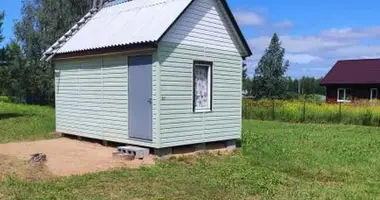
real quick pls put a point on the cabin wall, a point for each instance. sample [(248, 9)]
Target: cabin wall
[(92, 98), (202, 33), (359, 92)]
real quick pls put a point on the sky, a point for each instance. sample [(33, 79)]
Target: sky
[(315, 34)]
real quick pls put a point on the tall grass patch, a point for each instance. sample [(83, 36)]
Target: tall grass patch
[(361, 113)]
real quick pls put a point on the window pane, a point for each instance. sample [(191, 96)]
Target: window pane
[(201, 86), (348, 94), (341, 94)]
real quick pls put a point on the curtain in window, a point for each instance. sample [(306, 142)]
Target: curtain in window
[(201, 87)]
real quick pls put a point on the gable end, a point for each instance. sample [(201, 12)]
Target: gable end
[(208, 23)]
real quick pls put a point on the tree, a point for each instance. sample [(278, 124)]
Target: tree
[(15, 74), (304, 86), (311, 85), (269, 79), (2, 15), (3, 71), (42, 23)]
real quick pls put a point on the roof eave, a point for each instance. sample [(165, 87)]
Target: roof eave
[(238, 30), (52, 50), (107, 50), (350, 83)]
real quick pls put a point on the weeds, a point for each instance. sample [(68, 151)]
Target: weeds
[(362, 113)]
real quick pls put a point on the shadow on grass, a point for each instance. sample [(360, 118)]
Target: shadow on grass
[(10, 115)]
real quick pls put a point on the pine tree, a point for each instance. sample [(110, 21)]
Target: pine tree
[(270, 80)]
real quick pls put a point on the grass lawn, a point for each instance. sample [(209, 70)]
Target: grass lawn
[(24, 122), (276, 161)]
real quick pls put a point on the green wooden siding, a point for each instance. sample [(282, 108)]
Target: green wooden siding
[(92, 99), (179, 124)]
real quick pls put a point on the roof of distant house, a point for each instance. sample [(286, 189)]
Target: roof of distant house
[(364, 71)]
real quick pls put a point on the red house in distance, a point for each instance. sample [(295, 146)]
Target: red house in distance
[(353, 80)]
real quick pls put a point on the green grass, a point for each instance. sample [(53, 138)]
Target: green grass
[(23, 122), (276, 161)]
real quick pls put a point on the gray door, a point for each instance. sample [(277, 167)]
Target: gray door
[(140, 97)]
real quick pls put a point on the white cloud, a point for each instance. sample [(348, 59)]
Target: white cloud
[(319, 69), (338, 43), (259, 44), (315, 54), (252, 63), (302, 44), (294, 59), (248, 18), (341, 33), (284, 24), (299, 44), (302, 58), (357, 51), (352, 33), (370, 57)]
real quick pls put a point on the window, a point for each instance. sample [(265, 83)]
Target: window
[(202, 86), (373, 94), (344, 95)]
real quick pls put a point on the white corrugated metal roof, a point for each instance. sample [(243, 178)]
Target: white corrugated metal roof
[(126, 23), (137, 21)]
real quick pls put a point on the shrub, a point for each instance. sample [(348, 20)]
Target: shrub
[(5, 99)]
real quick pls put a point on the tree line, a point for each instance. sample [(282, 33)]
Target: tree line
[(270, 81)]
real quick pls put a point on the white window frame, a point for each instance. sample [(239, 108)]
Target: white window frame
[(370, 93), (209, 65), (344, 95)]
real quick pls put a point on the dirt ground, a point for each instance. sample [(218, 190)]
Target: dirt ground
[(67, 157)]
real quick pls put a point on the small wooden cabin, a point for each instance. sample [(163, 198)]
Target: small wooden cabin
[(152, 73), (353, 80)]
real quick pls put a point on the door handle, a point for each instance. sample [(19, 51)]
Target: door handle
[(149, 100)]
